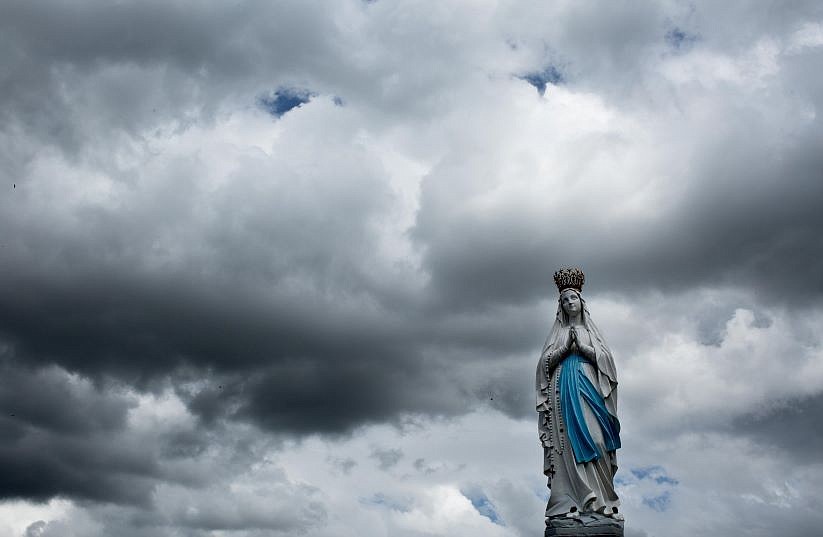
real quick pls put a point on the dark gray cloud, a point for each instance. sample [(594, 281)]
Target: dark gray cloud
[(787, 427), (49, 399), (736, 224), (344, 465), (387, 457), (340, 266), (136, 65), (64, 437), (273, 364)]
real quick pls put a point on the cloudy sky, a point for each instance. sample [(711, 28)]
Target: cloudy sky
[(284, 268)]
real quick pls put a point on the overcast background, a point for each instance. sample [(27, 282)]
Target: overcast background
[(285, 268)]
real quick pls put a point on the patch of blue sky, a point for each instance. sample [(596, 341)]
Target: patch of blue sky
[(541, 79), (659, 503), (644, 472), (666, 480), (654, 473), (483, 506), (679, 39), (381, 500), (284, 99)]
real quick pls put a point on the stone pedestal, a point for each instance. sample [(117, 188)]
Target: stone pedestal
[(588, 525)]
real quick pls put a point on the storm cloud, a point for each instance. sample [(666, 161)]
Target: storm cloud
[(242, 245)]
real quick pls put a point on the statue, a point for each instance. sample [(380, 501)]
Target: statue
[(577, 419)]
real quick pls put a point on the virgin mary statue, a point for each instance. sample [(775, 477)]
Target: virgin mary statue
[(577, 407)]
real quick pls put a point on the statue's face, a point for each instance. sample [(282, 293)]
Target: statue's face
[(570, 301)]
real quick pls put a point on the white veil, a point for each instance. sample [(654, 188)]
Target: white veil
[(606, 373)]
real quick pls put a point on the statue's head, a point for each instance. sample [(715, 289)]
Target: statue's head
[(570, 283), (570, 302)]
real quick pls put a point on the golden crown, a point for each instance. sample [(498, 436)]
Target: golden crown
[(569, 278)]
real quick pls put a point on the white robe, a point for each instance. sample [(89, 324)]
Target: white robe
[(586, 486)]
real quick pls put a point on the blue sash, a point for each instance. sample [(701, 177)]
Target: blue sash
[(574, 386)]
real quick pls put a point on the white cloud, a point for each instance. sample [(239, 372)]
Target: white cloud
[(428, 212), (16, 516), (680, 380), (810, 35)]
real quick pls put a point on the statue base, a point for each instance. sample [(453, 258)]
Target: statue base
[(588, 525)]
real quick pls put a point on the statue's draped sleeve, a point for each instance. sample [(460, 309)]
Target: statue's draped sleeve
[(606, 371)]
